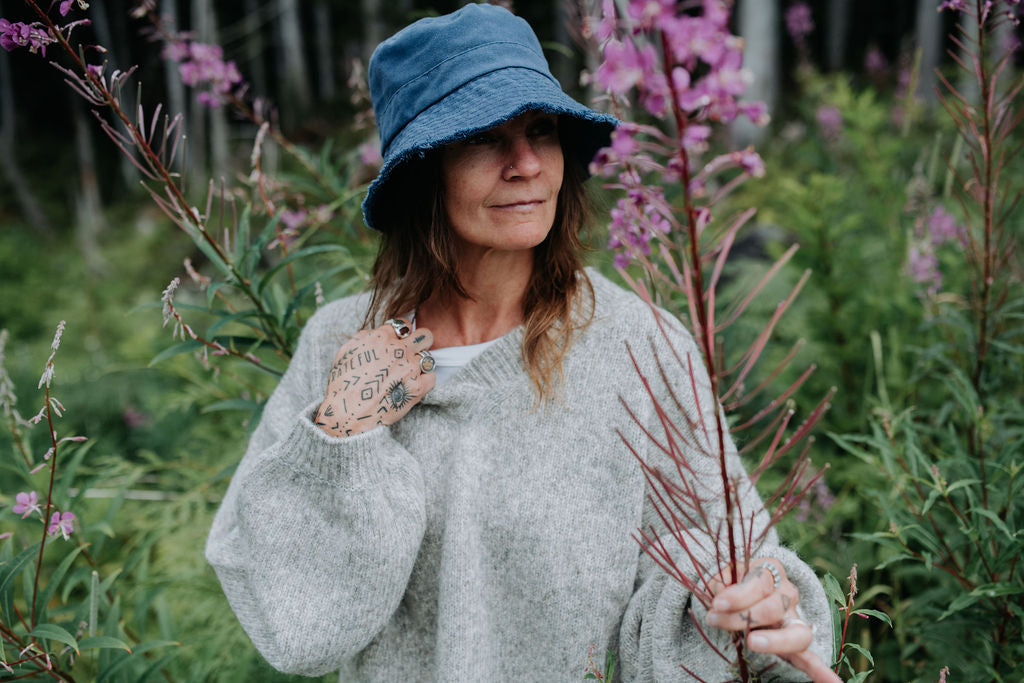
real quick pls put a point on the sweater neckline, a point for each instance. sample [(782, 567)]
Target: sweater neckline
[(497, 366)]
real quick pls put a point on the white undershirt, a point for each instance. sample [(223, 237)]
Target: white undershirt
[(449, 360)]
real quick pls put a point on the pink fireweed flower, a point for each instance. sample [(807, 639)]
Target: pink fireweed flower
[(369, 154), (956, 6), (645, 13), (203, 65), (623, 142), (923, 267), (292, 221), (26, 503), (751, 162), (621, 68), (830, 120), (799, 22), (943, 674), (636, 220), (875, 62), (62, 523), (942, 228), (17, 34)]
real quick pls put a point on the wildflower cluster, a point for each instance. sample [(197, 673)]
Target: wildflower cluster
[(930, 233), (37, 35), (202, 65), (684, 67), (799, 25), (678, 64)]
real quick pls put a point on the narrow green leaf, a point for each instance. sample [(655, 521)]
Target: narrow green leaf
[(155, 666), (994, 518), (10, 570), (231, 404), (863, 651), (860, 676), (876, 614), (154, 644), (834, 590), (212, 290), (249, 317), (302, 253), (54, 632), (212, 254), (103, 642), (179, 348), (43, 600)]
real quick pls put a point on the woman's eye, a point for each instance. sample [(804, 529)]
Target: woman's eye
[(481, 139), (543, 127)]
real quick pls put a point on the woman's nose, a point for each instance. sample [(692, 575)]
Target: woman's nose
[(522, 158)]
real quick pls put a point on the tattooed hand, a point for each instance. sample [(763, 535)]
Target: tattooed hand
[(375, 380), (767, 614)]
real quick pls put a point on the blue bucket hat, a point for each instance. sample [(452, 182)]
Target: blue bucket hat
[(443, 79)]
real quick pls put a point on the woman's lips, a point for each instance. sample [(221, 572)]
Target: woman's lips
[(525, 205)]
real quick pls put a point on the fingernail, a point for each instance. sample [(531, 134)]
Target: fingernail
[(721, 604), (712, 618), (758, 642)]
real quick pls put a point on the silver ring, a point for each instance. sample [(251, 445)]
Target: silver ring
[(401, 327), (774, 571), (426, 361)]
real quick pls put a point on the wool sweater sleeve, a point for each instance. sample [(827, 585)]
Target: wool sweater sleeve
[(317, 535), (664, 633)]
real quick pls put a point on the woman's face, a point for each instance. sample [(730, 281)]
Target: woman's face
[(501, 186)]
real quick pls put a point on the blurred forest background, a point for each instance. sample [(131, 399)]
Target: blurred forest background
[(856, 132)]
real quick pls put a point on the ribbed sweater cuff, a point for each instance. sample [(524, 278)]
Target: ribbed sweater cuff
[(351, 462)]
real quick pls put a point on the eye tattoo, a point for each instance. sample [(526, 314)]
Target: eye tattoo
[(399, 395)]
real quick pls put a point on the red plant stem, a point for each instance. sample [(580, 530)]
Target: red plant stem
[(988, 195), (842, 641), (168, 181), (706, 331), (49, 504)]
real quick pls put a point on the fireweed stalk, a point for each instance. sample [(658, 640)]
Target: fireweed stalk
[(33, 656), (949, 451), (155, 145), (676, 63)]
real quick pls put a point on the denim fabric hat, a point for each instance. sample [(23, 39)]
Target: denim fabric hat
[(442, 79)]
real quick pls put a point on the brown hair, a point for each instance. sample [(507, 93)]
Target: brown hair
[(417, 257)]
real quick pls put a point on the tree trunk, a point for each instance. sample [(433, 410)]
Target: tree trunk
[(373, 27), (836, 31), (115, 59), (324, 51), (296, 97), (176, 103), (30, 206), (759, 27), (563, 66), (88, 204), (255, 46), (928, 32)]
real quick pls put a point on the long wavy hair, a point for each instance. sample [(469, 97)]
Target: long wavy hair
[(417, 258)]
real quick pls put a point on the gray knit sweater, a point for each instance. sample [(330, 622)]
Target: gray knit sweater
[(480, 538)]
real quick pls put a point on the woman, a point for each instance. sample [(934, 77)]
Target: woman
[(468, 515)]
